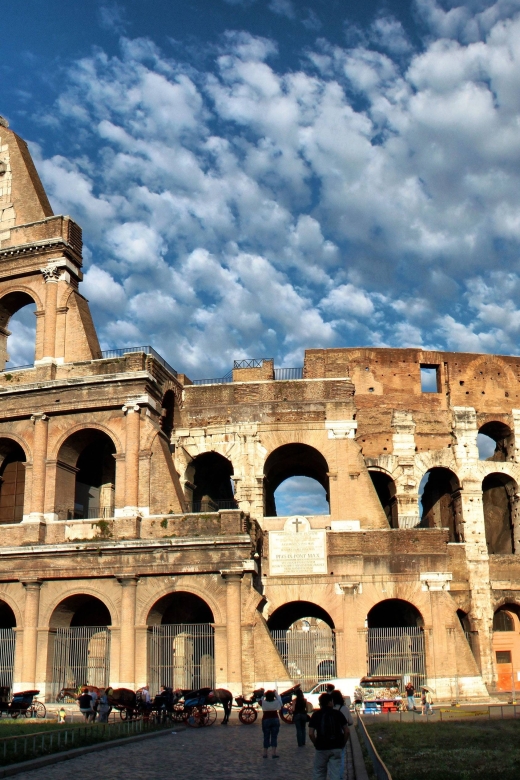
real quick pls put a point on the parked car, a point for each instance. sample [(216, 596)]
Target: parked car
[(314, 694)]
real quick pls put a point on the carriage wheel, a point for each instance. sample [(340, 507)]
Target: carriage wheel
[(36, 710), (247, 715), (209, 715), (286, 713)]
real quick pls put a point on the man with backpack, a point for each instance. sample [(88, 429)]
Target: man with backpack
[(328, 731)]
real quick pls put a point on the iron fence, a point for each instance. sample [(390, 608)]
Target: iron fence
[(397, 651), (81, 657), (43, 743), (7, 648), (181, 655), (309, 655), (221, 380), (250, 363), (380, 769), (288, 373)]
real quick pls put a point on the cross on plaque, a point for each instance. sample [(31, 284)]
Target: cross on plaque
[(297, 523)]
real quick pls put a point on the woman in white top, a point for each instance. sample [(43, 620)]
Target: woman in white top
[(270, 704)]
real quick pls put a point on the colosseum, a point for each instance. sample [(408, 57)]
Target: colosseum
[(140, 541)]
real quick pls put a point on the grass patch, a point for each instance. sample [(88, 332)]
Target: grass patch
[(449, 751)]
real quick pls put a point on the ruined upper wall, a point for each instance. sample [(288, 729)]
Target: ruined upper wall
[(22, 196)]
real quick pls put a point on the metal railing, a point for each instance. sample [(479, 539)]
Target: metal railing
[(397, 651), (288, 373), (91, 513), (222, 380), (213, 506), (251, 362), (309, 655), (81, 657), (380, 769), (181, 655), (26, 746), (112, 353)]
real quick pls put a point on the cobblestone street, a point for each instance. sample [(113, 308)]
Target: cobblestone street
[(231, 753)]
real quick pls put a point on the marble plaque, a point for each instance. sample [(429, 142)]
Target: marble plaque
[(297, 549)]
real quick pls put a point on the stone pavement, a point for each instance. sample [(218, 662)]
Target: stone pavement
[(232, 752)]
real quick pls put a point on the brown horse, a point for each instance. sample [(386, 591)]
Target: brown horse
[(124, 700), (73, 693), (213, 696)]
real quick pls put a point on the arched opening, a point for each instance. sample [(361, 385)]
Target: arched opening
[(181, 643), (303, 633), (86, 476), (499, 500), (79, 643), (506, 646), (468, 632), (168, 409), (17, 330), (395, 641), (440, 502), (7, 645), (208, 485), (385, 489), (495, 442), (301, 496), (12, 481), (296, 460)]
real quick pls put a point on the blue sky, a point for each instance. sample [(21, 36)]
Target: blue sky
[(257, 177)]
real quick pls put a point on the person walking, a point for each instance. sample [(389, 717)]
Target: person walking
[(338, 702), (85, 704), (300, 717), (426, 702), (270, 704), (410, 690), (104, 708), (328, 731)]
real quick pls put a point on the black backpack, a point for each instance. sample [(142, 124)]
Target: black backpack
[(330, 728)]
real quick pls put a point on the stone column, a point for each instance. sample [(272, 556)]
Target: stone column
[(133, 418), (127, 632), (352, 654), (52, 277), (41, 422), (30, 632), (233, 580)]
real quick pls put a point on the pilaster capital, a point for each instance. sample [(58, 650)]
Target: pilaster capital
[(341, 429), (435, 580), (36, 416), (348, 588), (231, 575), (51, 273), (34, 584), (128, 580), (130, 407)]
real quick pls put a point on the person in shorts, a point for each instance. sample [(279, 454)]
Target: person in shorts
[(328, 731), (85, 704)]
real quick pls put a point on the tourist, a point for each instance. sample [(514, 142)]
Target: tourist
[(328, 731), (104, 708), (410, 695), (339, 704), (94, 704), (426, 701), (270, 704), (329, 687), (85, 704), (300, 717)]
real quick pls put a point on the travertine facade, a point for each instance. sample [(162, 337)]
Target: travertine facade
[(132, 498)]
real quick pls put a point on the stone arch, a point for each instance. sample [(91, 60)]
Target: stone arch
[(86, 474), (294, 459), (15, 608), (53, 453), (500, 367), (499, 499), (80, 609), (386, 489), (292, 611), (13, 462), (504, 441), (208, 483), (46, 614), (441, 501), (12, 301), (394, 613), (146, 607), (180, 606), (168, 404)]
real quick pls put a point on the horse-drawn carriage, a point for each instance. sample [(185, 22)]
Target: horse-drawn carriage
[(248, 712), (21, 704)]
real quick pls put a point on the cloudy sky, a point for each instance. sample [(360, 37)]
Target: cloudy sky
[(254, 177)]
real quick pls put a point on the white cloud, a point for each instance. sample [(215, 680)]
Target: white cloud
[(259, 211)]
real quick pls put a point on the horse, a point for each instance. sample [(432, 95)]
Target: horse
[(213, 696), (124, 700), (73, 693)]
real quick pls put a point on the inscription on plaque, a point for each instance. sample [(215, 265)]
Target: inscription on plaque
[(297, 549)]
